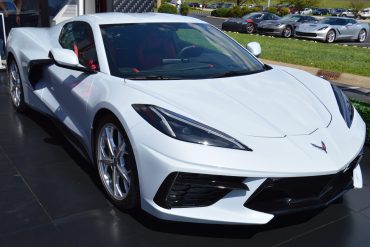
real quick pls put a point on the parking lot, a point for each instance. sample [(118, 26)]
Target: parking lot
[(50, 197), (217, 22)]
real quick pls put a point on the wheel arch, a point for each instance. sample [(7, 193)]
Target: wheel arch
[(98, 116)]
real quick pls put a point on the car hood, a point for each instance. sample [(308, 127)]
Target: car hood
[(272, 22), (311, 27), (268, 104)]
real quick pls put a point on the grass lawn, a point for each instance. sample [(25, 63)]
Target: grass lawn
[(347, 59)]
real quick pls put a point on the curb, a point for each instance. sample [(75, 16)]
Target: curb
[(215, 17), (341, 78)]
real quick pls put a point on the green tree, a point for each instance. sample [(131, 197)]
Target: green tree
[(356, 5), (301, 4)]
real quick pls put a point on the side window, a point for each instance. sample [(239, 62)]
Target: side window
[(78, 37)]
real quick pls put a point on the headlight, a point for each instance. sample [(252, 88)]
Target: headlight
[(323, 28), (185, 129), (345, 105), (279, 25)]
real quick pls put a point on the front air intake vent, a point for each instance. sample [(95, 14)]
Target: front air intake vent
[(180, 190)]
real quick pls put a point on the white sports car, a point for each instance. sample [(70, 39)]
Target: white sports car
[(182, 121)]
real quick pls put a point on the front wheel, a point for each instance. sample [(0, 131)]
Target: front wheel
[(287, 32), (362, 36), (15, 86), (116, 164), (330, 36)]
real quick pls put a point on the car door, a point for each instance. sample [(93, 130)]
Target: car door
[(349, 28), (71, 88)]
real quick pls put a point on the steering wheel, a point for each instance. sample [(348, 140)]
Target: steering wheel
[(190, 51)]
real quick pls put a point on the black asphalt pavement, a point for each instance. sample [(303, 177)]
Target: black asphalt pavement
[(49, 196), (217, 22)]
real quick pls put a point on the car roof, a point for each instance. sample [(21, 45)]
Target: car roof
[(122, 18)]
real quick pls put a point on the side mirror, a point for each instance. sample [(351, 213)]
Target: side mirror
[(254, 48), (349, 24), (68, 59), (64, 57)]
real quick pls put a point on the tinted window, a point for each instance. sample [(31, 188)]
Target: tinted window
[(334, 21), (174, 50), (252, 16), (78, 37)]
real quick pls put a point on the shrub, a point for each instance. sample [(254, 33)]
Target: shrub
[(167, 8), (364, 110), (220, 12), (184, 9), (284, 11), (245, 11), (255, 9), (235, 11), (272, 10)]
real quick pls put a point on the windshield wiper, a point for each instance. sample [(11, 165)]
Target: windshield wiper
[(232, 73), (154, 77)]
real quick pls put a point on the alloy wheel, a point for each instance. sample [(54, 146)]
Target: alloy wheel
[(250, 28), (111, 159), (287, 32), (362, 36), (15, 86), (330, 36)]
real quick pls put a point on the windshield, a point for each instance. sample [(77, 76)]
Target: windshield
[(252, 16), (333, 21), (291, 18), (174, 51)]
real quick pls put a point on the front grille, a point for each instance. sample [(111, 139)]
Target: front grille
[(306, 34), (265, 30), (283, 195), (180, 190)]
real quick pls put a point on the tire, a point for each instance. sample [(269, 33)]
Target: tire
[(362, 36), (330, 36), (16, 86), (287, 32), (249, 28), (114, 155)]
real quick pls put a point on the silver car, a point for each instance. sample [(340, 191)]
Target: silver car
[(334, 28), (285, 26)]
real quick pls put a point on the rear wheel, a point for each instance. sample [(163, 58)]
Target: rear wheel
[(362, 36), (287, 32), (249, 28), (15, 86), (116, 164), (330, 36)]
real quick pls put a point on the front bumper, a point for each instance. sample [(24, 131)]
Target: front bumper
[(270, 30), (315, 35), (289, 159)]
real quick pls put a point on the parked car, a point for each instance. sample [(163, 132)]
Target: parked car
[(212, 6), (248, 23), (348, 13), (285, 26), (320, 12), (337, 12), (334, 28), (196, 130), (194, 5), (227, 5), (306, 11), (365, 13)]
